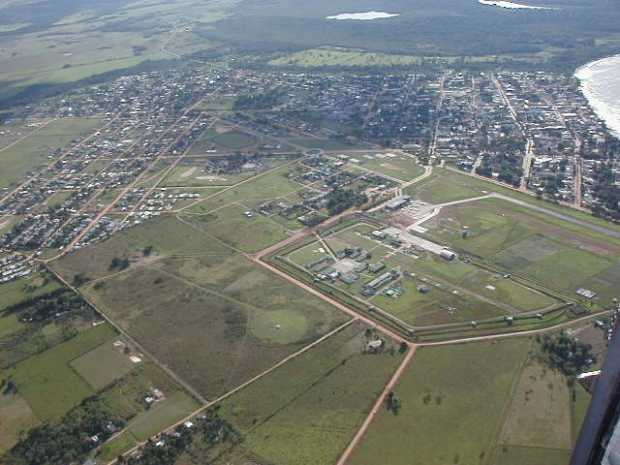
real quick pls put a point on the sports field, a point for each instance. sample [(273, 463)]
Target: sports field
[(222, 138), (394, 165)]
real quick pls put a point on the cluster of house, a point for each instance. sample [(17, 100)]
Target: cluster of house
[(12, 267)]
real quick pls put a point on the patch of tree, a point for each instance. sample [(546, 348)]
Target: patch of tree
[(566, 354), (392, 403), (339, 200), (119, 264), (79, 279), (51, 306), (210, 430), (606, 191), (262, 101), (147, 251), (68, 441)]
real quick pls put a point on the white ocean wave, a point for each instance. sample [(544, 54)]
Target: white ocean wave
[(365, 16), (600, 83), (512, 5)]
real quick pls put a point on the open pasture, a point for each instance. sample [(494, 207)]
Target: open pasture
[(17, 416), (166, 234), (27, 287), (452, 402), (306, 411), (232, 226), (269, 185), (556, 254), (214, 319)]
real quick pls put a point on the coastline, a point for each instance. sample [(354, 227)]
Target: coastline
[(592, 77)]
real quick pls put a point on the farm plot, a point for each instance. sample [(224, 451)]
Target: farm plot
[(307, 411), (47, 381), (32, 152), (17, 416), (215, 320), (103, 365), (452, 401)]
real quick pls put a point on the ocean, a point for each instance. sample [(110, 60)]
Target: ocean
[(600, 83)]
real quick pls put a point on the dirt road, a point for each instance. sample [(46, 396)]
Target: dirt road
[(376, 407)]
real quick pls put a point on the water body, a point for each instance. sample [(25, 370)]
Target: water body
[(366, 16), (600, 83), (512, 5)]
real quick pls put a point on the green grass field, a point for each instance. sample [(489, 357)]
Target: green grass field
[(161, 415), (32, 152), (270, 185), (102, 365), (452, 403), (397, 166), (16, 417), (324, 144), (167, 235), (532, 456), (47, 381), (9, 324), (446, 185), (231, 226), (199, 307), (27, 288), (223, 139), (307, 411), (556, 254)]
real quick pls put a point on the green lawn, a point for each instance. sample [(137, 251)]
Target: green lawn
[(452, 403)]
